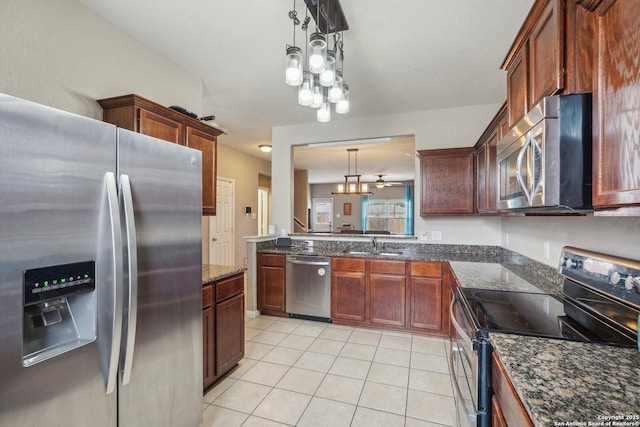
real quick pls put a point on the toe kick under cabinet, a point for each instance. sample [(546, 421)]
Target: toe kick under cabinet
[(222, 326)]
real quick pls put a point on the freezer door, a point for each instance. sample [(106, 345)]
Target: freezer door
[(162, 384), (56, 351)]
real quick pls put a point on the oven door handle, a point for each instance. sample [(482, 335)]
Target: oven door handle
[(457, 326)]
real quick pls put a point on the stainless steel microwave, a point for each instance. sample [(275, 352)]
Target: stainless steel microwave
[(544, 161)]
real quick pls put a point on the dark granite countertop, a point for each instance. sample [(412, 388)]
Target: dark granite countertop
[(482, 267), (212, 272), (558, 381), (564, 381)]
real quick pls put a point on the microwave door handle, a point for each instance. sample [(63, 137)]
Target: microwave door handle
[(537, 153), (521, 155)]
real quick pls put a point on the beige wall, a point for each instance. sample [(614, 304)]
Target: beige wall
[(244, 170), (57, 53)]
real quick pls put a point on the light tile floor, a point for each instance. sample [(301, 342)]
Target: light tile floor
[(303, 373)]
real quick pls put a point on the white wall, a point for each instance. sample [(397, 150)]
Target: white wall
[(449, 128), (528, 235), (57, 53)]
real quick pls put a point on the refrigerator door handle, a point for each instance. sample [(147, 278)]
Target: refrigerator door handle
[(132, 255), (116, 240)]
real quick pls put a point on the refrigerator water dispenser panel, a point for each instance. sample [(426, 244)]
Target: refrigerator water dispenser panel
[(59, 310)]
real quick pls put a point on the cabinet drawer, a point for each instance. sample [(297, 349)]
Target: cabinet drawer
[(426, 269), (207, 296), (347, 264), (229, 287), (272, 260), (387, 267)]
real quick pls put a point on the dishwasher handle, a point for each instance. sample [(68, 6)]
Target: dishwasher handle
[(295, 261)]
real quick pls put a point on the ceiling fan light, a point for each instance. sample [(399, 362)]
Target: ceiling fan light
[(380, 182), (293, 70), (318, 56)]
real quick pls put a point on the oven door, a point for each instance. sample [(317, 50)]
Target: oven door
[(464, 368), (521, 171)]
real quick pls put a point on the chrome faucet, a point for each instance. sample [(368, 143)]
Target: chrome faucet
[(374, 242)]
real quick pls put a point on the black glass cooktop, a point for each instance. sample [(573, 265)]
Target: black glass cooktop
[(543, 315)]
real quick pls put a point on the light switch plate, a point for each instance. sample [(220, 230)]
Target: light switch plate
[(436, 236)]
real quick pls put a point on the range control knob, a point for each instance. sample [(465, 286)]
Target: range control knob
[(615, 278), (569, 263), (632, 282)]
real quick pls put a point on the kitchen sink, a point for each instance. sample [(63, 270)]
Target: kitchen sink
[(375, 253)]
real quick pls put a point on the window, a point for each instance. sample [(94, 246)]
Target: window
[(387, 215)]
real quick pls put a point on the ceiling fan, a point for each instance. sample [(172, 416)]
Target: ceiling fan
[(381, 183)]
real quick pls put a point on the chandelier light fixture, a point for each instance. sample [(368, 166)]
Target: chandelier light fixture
[(352, 185), (319, 72)]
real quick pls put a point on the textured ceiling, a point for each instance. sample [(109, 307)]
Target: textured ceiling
[(400, 56)]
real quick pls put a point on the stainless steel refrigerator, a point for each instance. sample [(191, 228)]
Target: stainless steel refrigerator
[(100, 274)]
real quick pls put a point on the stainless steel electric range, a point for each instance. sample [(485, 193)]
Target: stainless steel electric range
[(600, 304)]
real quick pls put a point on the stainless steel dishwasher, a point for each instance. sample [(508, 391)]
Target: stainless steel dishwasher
[(309, 287)]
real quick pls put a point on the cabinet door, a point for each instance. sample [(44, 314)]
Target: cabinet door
[(388, 295), (208, 346), (497, 417), (426, 304), (271, 290), (348, 295), (160, 127), (616, 159), (517, 99), (546, 54), (207, 145), (448, 178), (481, 178), (229, 332)]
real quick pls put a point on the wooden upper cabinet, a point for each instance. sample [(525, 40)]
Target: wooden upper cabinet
[(138, 114), (535, 62), (616, 157), (546, 53), (517, 92), (487, 163), (206, 143), (447, 181), (160, 127)]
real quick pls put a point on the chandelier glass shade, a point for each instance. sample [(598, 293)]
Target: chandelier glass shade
[(342, 106), (293, 74), (328, 76)]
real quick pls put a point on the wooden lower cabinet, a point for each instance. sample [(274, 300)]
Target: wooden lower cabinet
[(348, 289), (390, 294), (271, 284), (208, 346), (508, 409), (222, 326), (230, 331)]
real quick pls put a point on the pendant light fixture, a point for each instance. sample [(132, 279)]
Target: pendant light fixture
[(352, 185), (315, 72)]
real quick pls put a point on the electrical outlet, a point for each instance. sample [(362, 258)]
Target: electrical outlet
[(424, 235), (547, 254), (436, 236)]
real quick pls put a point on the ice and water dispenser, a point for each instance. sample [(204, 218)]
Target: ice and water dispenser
[(59, 313)]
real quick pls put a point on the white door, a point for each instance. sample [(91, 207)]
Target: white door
[(222, 225), (322, 215)]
